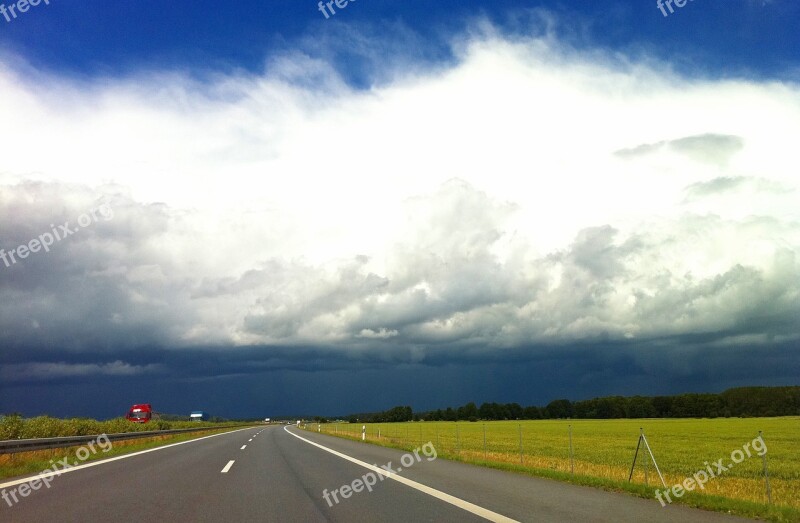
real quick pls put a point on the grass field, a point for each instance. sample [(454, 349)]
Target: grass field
[(603, 452)]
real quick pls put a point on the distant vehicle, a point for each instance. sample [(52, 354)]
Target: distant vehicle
[(198, 415), (140, 413)]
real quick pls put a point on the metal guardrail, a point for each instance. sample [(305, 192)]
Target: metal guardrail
[(27, 445)]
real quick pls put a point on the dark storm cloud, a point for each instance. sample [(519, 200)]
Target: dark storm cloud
[(81, 294), (115, 300)]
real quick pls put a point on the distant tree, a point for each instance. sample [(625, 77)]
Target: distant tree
[(470, 412), (640, 407), (500, 411), (559, 409), (663, 406), (532, 412), (585, 409), (762, 401), (514, 410), (697, 406)]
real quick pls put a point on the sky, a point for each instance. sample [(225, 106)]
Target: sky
[(259, 209)]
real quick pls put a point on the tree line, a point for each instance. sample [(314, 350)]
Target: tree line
[(736, 402)]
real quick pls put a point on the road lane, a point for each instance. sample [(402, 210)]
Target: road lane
[(276, 478), (376, 474)]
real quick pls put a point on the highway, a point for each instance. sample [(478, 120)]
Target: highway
[(276, 473)]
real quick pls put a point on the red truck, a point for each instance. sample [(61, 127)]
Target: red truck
[(141, 413)]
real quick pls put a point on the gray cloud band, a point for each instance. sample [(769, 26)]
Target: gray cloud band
[(57, 233)]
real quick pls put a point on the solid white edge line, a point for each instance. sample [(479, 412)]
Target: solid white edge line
[(447, 498), (228, 466), (104, 461)]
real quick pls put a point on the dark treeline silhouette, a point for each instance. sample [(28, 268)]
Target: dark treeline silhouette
[(738, 402), (388, 416)]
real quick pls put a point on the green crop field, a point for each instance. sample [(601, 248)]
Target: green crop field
[(604, 449)]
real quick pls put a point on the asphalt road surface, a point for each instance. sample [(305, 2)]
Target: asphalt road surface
[(269, 474)]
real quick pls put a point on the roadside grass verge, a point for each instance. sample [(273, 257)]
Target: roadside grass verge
[(27, 463), (15, 426)]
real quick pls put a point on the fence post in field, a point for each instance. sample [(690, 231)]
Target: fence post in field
[(766, 473), (650, 451), (458, 441), (484, 441), (571, 454), (636, 454), (521, 460)]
